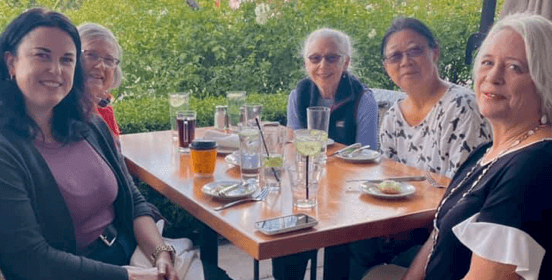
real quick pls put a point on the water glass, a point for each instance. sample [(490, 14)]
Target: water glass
[(318, 117), (178, 102), (186, 123), (252, 112), (236, 99), (273, 158), (250, 153), (303, 193)]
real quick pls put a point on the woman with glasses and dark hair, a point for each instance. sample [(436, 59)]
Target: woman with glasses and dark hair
[(438, 124), (69, 207), (102, 66), (353, 117)]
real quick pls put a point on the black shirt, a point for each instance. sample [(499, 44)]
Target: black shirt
[(516, 192)]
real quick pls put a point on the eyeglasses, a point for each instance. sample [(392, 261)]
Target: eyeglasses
[(396, 57), (94, 57), (330, 58)]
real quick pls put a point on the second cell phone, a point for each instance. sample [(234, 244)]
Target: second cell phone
[(285, 224)]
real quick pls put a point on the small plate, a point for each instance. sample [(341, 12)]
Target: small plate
[(362, 156), (226, 151), (372, 189), (233, 158), (330, 142), (245, 191)]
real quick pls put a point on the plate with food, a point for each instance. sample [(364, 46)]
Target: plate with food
[(388, 189), (361, 156), (229, 189)]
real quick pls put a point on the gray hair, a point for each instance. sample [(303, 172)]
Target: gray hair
[(341, 39), (536, 32), (93, 31)]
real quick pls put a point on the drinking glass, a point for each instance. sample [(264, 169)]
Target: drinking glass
[(178, 102), (303, 193), (318, 117), (186, 123), (273, 160), (236, 99), (252, 112), (307, 143), (250, 153)]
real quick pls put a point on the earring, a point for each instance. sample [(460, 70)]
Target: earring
[(12, 77), (343, 76), (543, 119)]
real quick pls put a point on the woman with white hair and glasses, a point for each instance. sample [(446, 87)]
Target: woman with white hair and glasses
[(102, 65), (493, 221), (353, 115)]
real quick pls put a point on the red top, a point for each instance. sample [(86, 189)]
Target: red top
[(108, 115)]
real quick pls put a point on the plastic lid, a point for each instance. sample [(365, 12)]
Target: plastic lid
[(203, 144)]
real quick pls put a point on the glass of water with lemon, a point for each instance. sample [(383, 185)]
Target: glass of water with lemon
[(273, 155), (308, 142)]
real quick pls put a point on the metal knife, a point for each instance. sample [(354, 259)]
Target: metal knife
[(347, 149), (396, 179)]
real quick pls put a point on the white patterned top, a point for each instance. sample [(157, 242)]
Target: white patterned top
[(443, 140)]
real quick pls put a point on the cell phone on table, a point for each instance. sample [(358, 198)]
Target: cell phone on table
[(285, 224)]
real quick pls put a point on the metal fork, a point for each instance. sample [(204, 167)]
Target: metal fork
[(258, 197), (432, 181)]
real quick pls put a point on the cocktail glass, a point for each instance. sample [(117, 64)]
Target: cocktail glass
[(178, 102)]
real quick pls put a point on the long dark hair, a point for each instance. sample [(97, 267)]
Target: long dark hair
[(70, 115), (402, 23)]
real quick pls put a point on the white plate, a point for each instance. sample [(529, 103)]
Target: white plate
[(233, 158), (225, 151), (372, 189), (362, 156), (245, 191), (330, 142)]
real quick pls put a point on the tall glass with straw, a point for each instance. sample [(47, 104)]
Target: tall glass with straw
[(305, 174)]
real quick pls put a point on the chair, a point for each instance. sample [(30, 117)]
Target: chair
[(385, 99)]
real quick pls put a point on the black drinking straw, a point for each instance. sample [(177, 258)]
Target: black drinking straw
[(266, 148), (307, 178)]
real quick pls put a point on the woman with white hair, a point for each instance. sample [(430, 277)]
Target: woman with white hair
[(493, 221), (353, 117), (102, 65)]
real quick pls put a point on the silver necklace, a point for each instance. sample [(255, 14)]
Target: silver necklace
[(475, 183)]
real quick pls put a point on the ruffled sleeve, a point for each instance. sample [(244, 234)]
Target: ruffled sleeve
[(503, 244)]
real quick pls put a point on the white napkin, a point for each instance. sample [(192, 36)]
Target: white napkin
[(227, 141)]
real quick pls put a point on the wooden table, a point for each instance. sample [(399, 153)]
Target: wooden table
[(344, 216)]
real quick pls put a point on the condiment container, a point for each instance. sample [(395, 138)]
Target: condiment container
[(203, 154)]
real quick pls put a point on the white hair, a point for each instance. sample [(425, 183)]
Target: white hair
[(93, 31), (341, 39), (536, 32)]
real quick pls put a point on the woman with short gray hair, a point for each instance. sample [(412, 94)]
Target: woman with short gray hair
[(102, 56), (327, 56)]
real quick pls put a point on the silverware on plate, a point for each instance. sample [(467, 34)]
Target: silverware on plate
[(347, 149), (396, 179), (258, 197)]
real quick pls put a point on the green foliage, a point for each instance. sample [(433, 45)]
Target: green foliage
[(151, 113)]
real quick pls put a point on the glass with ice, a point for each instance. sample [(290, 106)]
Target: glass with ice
[(250, 153), (273, 160), (178, 102)]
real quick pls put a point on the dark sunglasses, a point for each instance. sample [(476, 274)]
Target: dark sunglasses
[(396, 57), (330, 58)]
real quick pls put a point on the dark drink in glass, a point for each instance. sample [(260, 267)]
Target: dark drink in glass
[(186, 123)]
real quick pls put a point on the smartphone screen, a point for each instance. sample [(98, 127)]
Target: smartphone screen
[(283, 224)]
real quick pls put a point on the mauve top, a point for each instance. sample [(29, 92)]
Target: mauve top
[(87, 184)]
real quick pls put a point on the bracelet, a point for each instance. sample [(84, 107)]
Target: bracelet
[(162, 248)]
